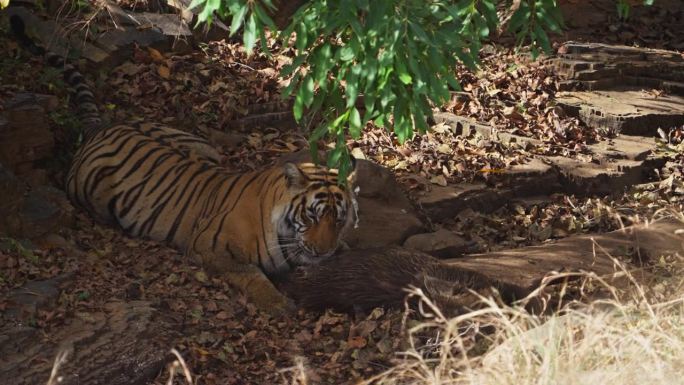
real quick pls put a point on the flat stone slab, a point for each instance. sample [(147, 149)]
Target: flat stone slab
[(624, 147), (465, 126), (525, 267), (443, 202), (441, 243), (24, 302), (629, 112), (621, 89), (612, 172), (595, 66), (610, 166), (588, 178)]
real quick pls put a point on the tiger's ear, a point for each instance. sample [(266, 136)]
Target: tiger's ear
[(351, 177), (294, 176)]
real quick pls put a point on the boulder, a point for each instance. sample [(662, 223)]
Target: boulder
[(382, 223), (26, 136), (31, 213), (44, 210), (12, 192)]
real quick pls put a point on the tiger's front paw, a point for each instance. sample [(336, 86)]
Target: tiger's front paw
[(260, 291), (273, 303)]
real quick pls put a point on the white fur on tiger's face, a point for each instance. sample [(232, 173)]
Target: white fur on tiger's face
[(318, 214)]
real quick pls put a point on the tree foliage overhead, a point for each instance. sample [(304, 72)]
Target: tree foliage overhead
[(385, 61)]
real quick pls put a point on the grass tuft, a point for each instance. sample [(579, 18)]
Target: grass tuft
[(626, 335)]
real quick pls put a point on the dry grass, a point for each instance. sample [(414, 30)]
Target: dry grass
[(633, 335)]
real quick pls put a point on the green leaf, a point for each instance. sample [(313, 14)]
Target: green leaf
[(290, 68), (238, 18), (351, 90), (534, 50), (420, 33), (287, 91), (519, 17), (402, 72), (451, 80), (298, 108), (623, 9), (210, 7), (346, 53), (302, 37), (250, 34), (405, 78), (308, 90), (321, 63), (355, 123), (334, 157), (543, 38), (549, 21), (402, 128), (4, 4), (318, 133), (264, 17), (262, 40)]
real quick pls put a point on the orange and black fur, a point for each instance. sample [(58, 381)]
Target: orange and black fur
[(167, 185)]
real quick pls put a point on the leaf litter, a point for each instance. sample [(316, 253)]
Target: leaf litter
[(226, 339)]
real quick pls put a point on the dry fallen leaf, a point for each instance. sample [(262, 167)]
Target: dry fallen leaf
[(357, 342), (222, 315), (155, 55), (439, 180), (164, 71)]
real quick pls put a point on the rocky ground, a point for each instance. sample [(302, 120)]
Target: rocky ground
[(514, 160)]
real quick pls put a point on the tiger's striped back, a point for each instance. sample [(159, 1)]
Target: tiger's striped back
[(110, 171), (141, 179)]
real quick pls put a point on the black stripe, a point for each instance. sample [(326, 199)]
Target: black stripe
[(227, 194), (214, 239), (173, 185), (263, 237), (161, 179), (137, 190), (94, 178), (136, 166), (152, 219), (249, 182), (181, 215)]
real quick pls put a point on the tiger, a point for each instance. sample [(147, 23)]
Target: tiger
[(167, 185)]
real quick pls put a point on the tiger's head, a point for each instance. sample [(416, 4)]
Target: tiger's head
[(320, 210)]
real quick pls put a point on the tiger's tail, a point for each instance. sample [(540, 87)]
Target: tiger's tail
[(87, 110)]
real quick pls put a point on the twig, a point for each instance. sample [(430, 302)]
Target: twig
[(59, 361), (179, 361)]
